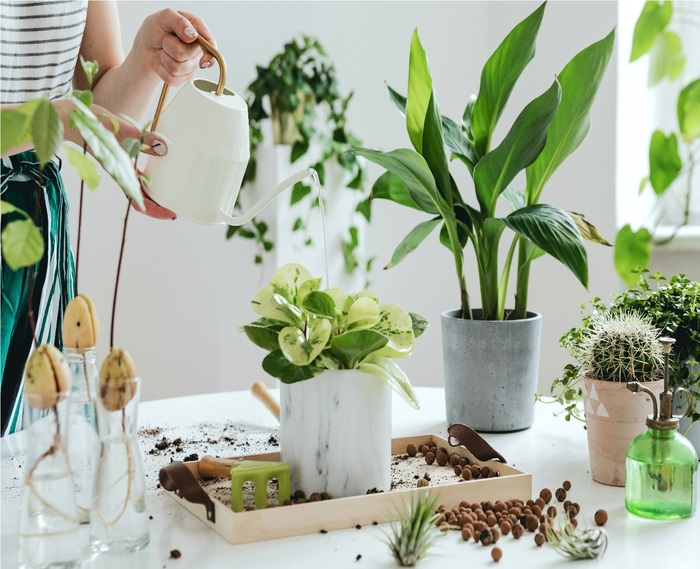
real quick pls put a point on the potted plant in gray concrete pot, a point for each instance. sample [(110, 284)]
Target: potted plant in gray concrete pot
[(491, 354)]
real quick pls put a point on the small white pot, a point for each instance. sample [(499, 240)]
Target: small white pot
[(336, 433)]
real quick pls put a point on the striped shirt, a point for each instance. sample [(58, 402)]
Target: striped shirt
[(39, 47)]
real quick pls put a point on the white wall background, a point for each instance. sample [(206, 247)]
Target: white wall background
[(185, 290)]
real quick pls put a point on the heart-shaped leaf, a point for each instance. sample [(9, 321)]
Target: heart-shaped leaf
[(396, 325), (280, 367), (363, 313), (320, 304), (353, 347)]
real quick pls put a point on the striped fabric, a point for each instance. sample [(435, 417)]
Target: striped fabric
[(39, 47), (54, 283)]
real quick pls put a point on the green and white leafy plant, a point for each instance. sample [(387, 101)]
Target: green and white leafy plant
[(307, 330), (545, 133)]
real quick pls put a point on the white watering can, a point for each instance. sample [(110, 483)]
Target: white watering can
[(206, 126)]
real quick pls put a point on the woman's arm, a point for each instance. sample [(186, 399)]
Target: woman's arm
[(164, 49)]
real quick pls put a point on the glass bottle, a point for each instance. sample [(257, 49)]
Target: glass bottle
[(661, 464), (83, 439), (50, 533), (118, 518)]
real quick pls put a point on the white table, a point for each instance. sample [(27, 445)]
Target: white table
[(552, 450)]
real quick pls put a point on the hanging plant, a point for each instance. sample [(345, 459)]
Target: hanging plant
[(301, 87)]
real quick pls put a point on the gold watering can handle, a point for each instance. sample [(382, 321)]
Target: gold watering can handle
[(219, 87)]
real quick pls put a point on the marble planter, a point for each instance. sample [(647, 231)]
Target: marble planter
[(335, 433), (614, 418), (491, 371)]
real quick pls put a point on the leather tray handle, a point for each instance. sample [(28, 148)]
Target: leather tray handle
[(471, 440), (176, 477)]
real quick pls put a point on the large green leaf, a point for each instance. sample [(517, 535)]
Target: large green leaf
[(22, 244), (689, 111), (579, 80), (106, 150), (353, 347), (652, 21), (553, 231), (386, 369), (519, 149), (279, 298), (664, 161), (420, 90), (632, 252), (84, 166), (301, 349), (280, 367), (499, 75), (14, 129), (47, 131), (412, 240), (412, 168), (666, 58), (390, 187)]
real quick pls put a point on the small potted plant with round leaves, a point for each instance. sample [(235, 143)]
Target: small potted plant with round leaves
[(334, 354)]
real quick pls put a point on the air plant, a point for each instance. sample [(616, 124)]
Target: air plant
[(415, 532), (576, 543)]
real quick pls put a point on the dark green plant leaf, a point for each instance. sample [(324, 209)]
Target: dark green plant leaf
[(319, 303), (689, 111), (280, 367), (412, 240), (14, 129), (499, 75), (420, 91), (666, 58), (632, 252), (652, 21), (22, 244), (390, 187), (579, 80), (552, 230), (664, 161), (84, 166), (398, 99), (354, 346), (588, 230), (364, 208), (519, 149), (412, 168), (299, 192), (106, 150), (47, 131), (434, 151), (264, 333)]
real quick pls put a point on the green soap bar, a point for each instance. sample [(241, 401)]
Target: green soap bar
[(259, 472)]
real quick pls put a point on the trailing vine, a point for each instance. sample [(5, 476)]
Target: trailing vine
[(307, 111)]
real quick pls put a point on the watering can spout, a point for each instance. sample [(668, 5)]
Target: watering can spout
[(258, 206)]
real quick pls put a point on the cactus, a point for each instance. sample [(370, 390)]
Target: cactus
[(622, 347)]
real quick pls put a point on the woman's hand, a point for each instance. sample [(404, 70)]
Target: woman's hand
[(165, 45)]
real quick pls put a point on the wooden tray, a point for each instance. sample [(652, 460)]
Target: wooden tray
[(341, 513)]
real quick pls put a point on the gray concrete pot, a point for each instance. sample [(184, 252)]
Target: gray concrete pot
[(491, 371)]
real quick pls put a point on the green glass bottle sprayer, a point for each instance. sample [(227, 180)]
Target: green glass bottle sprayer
[(662, 465)]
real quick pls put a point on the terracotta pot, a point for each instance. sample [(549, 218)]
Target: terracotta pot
[(614, 417)]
